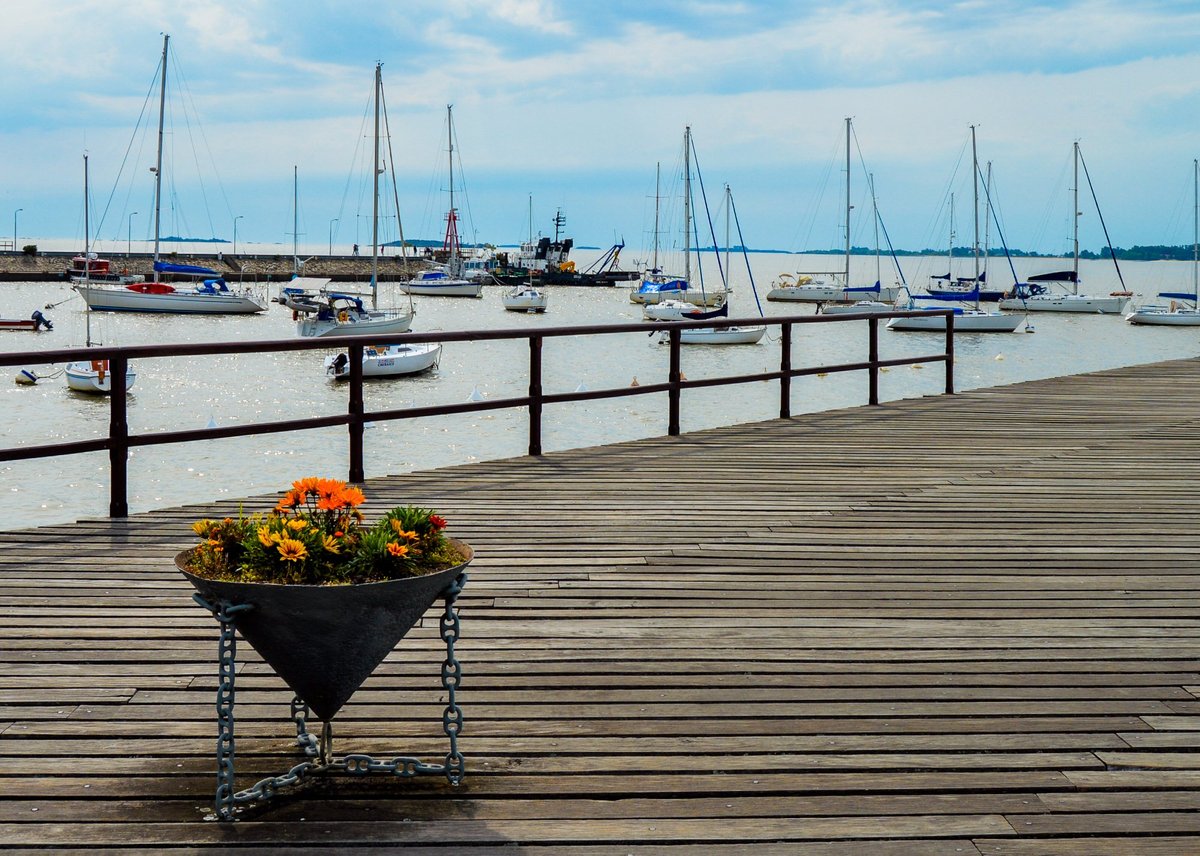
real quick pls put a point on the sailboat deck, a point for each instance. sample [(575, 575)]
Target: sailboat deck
[(952, 625)]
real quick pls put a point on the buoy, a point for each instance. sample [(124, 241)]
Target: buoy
[(1029, 328), (26, 378), (475, 395), (918, 366), (682, 376), (998, 357), (822, 374), (635, 381)]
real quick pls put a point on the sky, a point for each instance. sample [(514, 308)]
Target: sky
[(573, 105)]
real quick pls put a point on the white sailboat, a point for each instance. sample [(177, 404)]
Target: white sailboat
[(973, 319), (92, 376), (1035, 294), (868, 307), (447, 281), (655, 287), (807, 288), (1179, 314), (737, 334), (526, 296), (212, 296), (339, 313)]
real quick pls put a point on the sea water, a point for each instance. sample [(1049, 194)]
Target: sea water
[(185, 393)]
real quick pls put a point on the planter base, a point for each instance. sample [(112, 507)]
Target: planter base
[(319, 751)]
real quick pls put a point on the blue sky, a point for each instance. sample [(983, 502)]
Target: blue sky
[(575, 103)]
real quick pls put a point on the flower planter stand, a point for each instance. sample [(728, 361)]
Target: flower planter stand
[(321, 760)]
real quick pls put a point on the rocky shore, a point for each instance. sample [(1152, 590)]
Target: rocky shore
[(19, 267)]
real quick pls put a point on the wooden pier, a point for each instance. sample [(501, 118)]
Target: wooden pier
[(951, 625)]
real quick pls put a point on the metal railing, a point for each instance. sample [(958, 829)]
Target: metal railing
[(119, 441)]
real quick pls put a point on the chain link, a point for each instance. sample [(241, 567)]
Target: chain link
[(452, 716)]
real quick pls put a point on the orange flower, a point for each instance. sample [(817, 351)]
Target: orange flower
[(291, 550), (352, 496), (306, 485), (330, 503), (397, 550), (290, 500)]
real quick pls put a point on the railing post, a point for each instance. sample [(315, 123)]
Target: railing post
[(356, 408), (950, 354), (535, 395), (673, 377), (873, 358), (118, 439), (785, 368)]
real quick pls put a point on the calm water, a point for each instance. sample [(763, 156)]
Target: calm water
[(186, 393)]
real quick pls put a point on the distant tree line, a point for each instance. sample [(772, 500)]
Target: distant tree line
[(1153, 253)]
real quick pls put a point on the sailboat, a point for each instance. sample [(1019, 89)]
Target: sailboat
[(804, 288), (378, 360), (212, 296), (870, 307), (656, 287), (300, 292), (526, 296), (973, 319), (448, 281), (1034, 295), (92, 376), (340, 313), (1176, 315), (737, 334)]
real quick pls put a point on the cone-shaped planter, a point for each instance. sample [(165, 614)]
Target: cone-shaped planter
[(324, 641)]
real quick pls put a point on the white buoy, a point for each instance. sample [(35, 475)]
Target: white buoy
[(26, 378), (475, 395)]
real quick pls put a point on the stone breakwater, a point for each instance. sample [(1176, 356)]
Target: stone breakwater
[(19, 267)]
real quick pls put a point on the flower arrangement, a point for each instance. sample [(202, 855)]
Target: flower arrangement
[(316, 536)]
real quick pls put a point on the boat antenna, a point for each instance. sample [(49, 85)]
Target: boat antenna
[(162, 107), (1100, 214)]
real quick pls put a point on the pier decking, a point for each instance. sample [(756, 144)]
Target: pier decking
[(955, 625)]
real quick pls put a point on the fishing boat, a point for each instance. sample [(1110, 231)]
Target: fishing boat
[(93, 377), (1037, 293), (967, 319), (35, 323), (210, 296), (1184, 309), (341, 313), (94, 269), (447, 281), (831, 287), (387, 360)]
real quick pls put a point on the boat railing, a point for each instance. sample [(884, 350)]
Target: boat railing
[(119, 440)]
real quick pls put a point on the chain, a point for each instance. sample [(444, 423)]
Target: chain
[(452, 716), (321, 749), (227, 658)]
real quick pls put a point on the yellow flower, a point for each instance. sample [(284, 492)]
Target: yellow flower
[(291, 550), (267, 538), (296, 525), (202, 527), (330, 544), (397, 550)]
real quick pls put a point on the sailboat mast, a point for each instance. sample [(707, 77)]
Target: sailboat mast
[(875, 215), (162, 109), (295, 219), (950, 254), (728, 209), (452, 226), (375, 195), (87, 251), (975, 185), (1196, 231), (657, 178), (847, 282), (1075, 226), (687, 204)]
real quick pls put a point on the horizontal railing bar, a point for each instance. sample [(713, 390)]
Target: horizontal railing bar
[(50, 450), (202, 349), (164, 437)]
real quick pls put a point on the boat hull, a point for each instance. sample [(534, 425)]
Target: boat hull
[(865, 307), (173, 302), (447, 288), (94, 378), (1165, 317), (388, 361), (353, 325), (525, 300), (1067, 303), (968, 322), (717, 335), (827, 294)]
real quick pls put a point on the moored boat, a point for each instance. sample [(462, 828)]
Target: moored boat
[(387, 360)]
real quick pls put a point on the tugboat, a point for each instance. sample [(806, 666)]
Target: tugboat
[(546, 261)]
